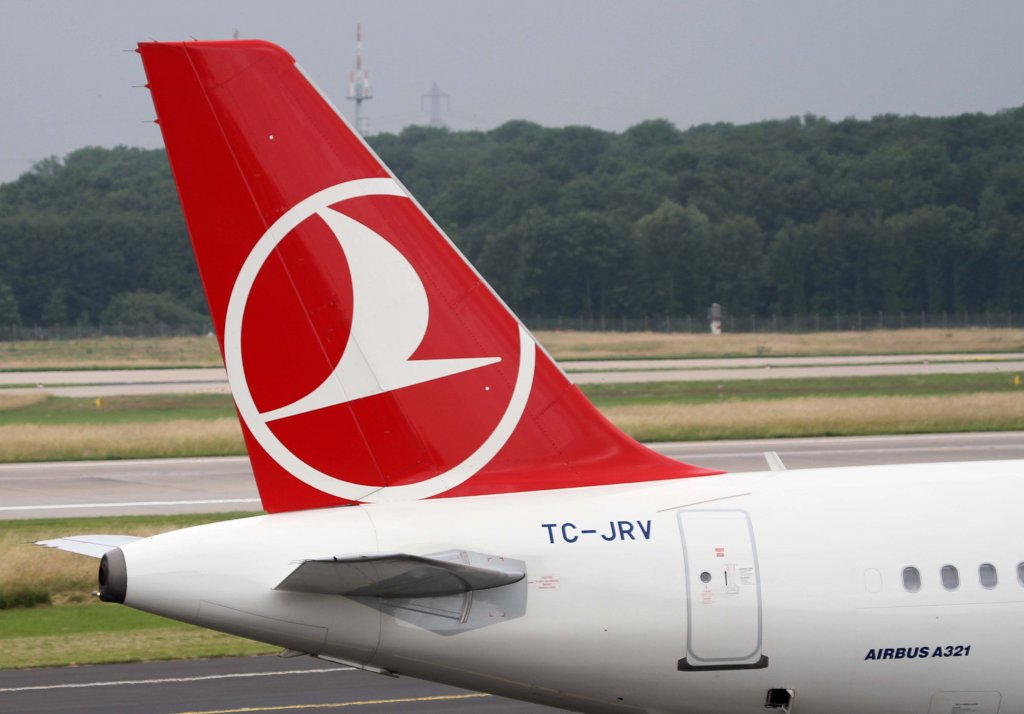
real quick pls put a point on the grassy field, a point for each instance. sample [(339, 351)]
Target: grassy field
[(111, 352), (30, 575), (607, 345), (44, 410), (40, 428), (820, 416), (849, 406), (175, 438), (103, 633), (615, 395), (49, 618)]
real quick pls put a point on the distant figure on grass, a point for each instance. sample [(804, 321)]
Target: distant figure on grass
[(716, 318)]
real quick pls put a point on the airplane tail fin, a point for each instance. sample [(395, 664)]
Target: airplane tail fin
[(367, 359)]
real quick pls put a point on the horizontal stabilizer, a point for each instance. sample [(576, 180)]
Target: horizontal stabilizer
[(396, 575), (95, 546)]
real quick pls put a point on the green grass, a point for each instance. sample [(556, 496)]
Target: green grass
[(655, 393), (121, 410), (104, 633), (77, 620), (110, 353), (33, 529), (820, 416)]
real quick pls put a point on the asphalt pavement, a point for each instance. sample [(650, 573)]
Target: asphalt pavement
[(222, 484), (230, 685)]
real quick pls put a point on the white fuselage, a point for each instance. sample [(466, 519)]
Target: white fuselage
[(806, 590)]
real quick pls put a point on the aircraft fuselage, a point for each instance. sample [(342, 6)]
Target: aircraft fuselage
[(691, 595)]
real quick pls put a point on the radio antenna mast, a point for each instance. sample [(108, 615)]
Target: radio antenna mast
[(359, 83), (435, 96)]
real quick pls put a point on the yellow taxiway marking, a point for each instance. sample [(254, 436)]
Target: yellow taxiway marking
[(333, 705)]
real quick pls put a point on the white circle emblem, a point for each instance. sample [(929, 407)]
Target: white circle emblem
[(387, 336)]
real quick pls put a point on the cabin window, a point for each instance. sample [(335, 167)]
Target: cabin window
[(1020, 573), (911, 579), (950, 577), (987, 575)]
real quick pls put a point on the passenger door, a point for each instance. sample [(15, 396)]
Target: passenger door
[(723, 591)]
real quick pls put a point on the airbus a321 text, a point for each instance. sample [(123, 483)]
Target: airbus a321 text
[(443, 503)]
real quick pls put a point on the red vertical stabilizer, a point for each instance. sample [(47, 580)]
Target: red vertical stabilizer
[(368, 360)]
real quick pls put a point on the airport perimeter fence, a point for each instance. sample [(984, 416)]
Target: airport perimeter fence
[(623, 323), (782, 323)]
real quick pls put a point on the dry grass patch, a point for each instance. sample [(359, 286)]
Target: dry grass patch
[(607, 345), (32, 575), (10, 402), (164, 439), (111, 352), (817, 416)]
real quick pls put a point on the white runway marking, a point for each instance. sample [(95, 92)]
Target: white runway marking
[(129, 503), (174, 680)]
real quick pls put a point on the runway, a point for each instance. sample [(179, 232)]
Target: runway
[(117, 382), (101, 488), (219, 686), (135, 487), (91, 383)]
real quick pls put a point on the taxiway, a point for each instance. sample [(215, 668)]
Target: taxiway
[(222, 484)]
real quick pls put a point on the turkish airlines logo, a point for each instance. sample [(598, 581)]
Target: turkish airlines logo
[(390, 316)]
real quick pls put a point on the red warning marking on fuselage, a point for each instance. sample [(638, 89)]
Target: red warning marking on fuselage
[(545, 582)]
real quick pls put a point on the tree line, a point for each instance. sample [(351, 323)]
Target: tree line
[(799, 216)]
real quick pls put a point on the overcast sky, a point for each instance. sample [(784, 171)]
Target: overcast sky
[(66, 82)]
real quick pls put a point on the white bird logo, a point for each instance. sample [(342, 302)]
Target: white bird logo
[(390, 314), (389, 319)]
